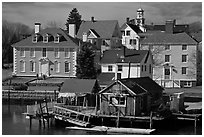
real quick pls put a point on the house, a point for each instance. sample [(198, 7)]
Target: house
[(104, 34), (130, 97), (47, 52), (126, 63), (130, 37), (79, 92), (174, 56)]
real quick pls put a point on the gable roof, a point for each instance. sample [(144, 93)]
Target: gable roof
[(67, 40), (138, 85), (104, 28), (94, 32), (115, 56), (79, 86), (135, 28), (106, 78), (166, 38)]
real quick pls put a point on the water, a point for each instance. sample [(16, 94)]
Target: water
[(15, 123)]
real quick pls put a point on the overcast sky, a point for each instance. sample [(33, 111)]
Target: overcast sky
[(156, 12)]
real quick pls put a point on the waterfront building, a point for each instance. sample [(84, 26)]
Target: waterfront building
[(174, 55), (130, 97), (47, 52), (125, 63)]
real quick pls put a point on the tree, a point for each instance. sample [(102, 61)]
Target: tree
[(74, 18), (85, 68)]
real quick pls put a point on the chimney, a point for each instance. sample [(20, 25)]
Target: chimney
[(72, 30), (127, 20), (37, 27), (84, 37), (169, 28), (92, 19)]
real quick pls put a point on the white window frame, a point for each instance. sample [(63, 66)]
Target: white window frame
[(31, 61), (119, 105), (186, 71), (56, 51), (186, 58), (67, 53), (111, 68), (56, 39), (22, 51), (121, 68), (45, 52), (58, 66), (187, 84), (35, 38), (168, 48), (127, 32), (31, 52), (169, 58), (69, 65), (22, 66), (186, 47), (45, 38)]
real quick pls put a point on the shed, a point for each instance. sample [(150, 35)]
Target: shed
[(79, 92), (130, 97)]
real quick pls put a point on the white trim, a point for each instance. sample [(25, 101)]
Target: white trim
[(186, 58), (45, 38), (69, 63), (58, 36), (68, 53), (112, 95), (57, 53), (58, 65), (186, 70), (34, 63), (24, 65), (33, 52), (45, 52), (35, 38)]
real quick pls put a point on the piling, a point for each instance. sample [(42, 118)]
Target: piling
[(150, 126)]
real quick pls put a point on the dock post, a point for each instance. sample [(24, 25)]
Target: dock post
[(101, 121), (195, 125), (151, 120), (30, 121), (118, 119), (130, 123), (40, 123)]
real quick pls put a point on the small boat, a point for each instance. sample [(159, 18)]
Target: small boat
[(115, 130)]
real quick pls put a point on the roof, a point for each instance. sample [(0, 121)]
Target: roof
[(145, 83), (67, 41), (79, 86), (104, 28), (139, 85), (166, 38), (197, 36), (133, 27), (94, 32), (106, 78), (115, 56)]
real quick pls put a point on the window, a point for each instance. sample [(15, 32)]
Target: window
[(56, 52), (184, 47), (110, 68), (56, 66), (35, 39), (134, 42), (22, 52), (184, 70), (67, 67), (127, 33), (130, 41), (187, 84), (32, 66), (184, 58), (22, 66), (167, 58), (45, 38), (103, 42), (56, 39), (142, 67), (67, 53), (123, 33), (117, 100), (167, 47), (145, 68), (120, 68), (32, 52), (166, 73), (150, 68), (44, 52)]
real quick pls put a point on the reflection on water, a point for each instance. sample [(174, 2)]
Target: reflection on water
[(15, 123)]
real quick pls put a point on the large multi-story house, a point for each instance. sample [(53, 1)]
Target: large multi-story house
[(125, 63), (174, 56), (47, 52), (104, 34)]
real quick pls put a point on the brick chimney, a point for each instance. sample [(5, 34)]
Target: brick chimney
[(37, 27), (84, 37), (169, 28), (72, 30)]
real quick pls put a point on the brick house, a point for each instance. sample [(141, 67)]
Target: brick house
[(47, 52)]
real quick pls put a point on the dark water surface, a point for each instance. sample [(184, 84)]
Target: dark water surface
[(15, 123)]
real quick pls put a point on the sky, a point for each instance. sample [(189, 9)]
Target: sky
[(45, 12)]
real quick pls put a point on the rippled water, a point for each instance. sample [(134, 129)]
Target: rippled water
[(15, 123)]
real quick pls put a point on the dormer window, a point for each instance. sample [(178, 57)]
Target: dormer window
[(56, 40), (35, 38), (45, 39)]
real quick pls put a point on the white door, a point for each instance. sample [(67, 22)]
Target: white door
[(45, 69)]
